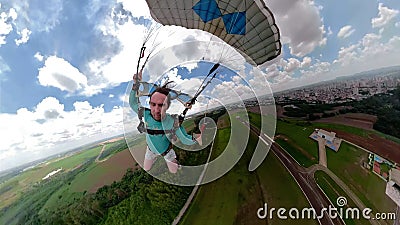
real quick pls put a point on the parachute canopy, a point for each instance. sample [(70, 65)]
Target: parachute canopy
[(247, 25)]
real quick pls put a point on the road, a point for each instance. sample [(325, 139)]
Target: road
[(313, 193)]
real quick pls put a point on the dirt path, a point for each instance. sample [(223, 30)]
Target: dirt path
[(101, 152), (322, 152)]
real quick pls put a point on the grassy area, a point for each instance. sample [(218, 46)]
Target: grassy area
[(112, 148), (268, 122), (301, 157), (281, 190), (19, 184), (348, 129), (333, 191), (224, 121), (236, 197), (355, 130), (188, 124), (216, 201), (347, 165), (94, 176), (299, 135)]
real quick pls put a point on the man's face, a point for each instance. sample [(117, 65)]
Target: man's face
[(158, 106)]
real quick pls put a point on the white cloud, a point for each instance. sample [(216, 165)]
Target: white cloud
[(3, 68), (112, 70), (385, 16), (306, 62), (49, 109), (190, 66), (38, 56), (59, 73), (292, 65), (49, 129), (6, 20), (24, 36), (371, 52), (13, 14), (300, 24), (36, 16), (345, 32), (138, 8)]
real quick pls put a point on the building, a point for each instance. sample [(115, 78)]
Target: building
[(393, 186), (329, 136)]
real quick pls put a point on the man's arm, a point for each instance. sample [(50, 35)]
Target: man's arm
[(185, 138), (133, 99)]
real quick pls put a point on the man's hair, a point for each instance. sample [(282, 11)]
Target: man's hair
[(164, 89)]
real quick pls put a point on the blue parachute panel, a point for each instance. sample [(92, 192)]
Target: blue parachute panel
[(207, 10), (235, 23)]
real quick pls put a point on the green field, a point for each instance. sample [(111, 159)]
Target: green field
[(232, 199), (236, 197), (347, 165), (303, 158), (22, 183), (27, 191), (112, 148), (354, 130), (95, 175), (333, 192), (299, 135)]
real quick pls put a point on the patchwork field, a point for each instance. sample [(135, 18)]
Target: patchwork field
[(360, 120), (76, 175)]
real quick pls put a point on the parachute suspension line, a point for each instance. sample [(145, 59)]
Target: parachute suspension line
[(141, 128), (154, 46), (230, 31), (205, 112), (201, 89), (135, 87), (222, 52), (208, 47), (153, 29), (232, 56)]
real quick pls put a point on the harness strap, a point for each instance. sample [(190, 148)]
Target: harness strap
[(156, 132), (143, 129), (167, 151)]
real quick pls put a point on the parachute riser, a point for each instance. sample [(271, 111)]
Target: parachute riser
[(201, 89)]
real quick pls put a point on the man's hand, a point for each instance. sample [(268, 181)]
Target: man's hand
[(138, 76), (202, 127), (198, 138)]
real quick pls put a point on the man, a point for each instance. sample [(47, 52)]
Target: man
[(157, 119)]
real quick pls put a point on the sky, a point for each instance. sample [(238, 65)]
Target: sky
[(66, 66)]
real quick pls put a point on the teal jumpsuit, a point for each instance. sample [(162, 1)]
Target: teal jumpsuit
[(159, 143)]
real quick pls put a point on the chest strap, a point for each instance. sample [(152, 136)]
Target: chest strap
[(156, 132)]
